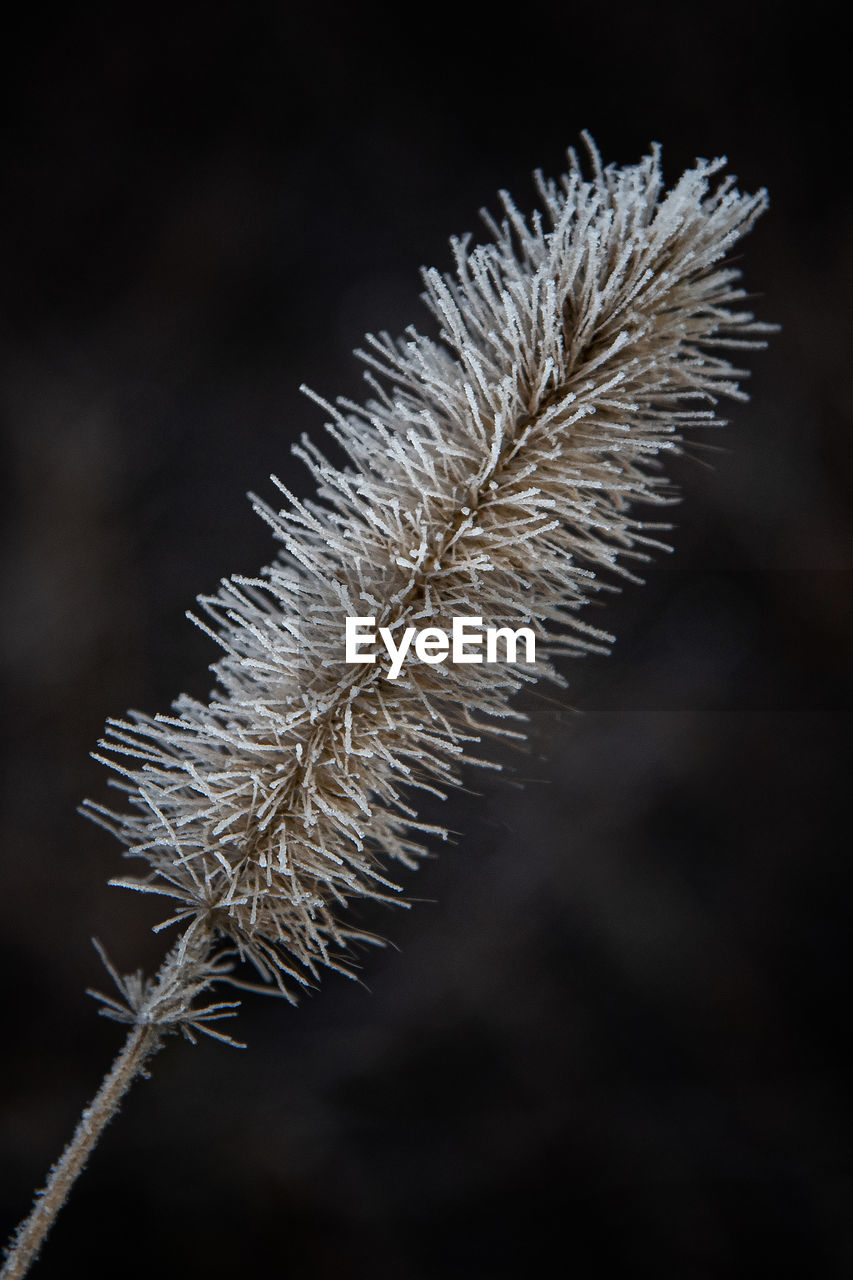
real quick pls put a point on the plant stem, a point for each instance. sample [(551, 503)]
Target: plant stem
[(143, 1041)]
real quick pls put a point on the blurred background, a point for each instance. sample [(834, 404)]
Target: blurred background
[(612, 1024)]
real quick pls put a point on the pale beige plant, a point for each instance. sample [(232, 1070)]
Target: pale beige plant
[(495, 472)]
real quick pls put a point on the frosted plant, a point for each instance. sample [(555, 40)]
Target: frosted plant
[(494, 473)]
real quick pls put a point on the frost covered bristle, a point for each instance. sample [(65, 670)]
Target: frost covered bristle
[(496, 471)]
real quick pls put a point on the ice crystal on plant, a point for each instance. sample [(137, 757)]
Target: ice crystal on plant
[(496, 471)]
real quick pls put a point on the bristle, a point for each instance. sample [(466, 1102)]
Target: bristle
[(495, 472)]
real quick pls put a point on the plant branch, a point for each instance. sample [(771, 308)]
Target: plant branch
[(142, 1042), (153, 1007)]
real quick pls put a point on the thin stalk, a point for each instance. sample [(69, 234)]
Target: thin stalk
[(143, 1041), (154, 1007)]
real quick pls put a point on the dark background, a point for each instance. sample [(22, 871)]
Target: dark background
[(614, 1025)]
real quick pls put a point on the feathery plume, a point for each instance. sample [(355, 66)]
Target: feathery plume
[(495, 473)]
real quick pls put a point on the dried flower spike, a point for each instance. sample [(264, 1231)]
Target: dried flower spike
[(495, 473)]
